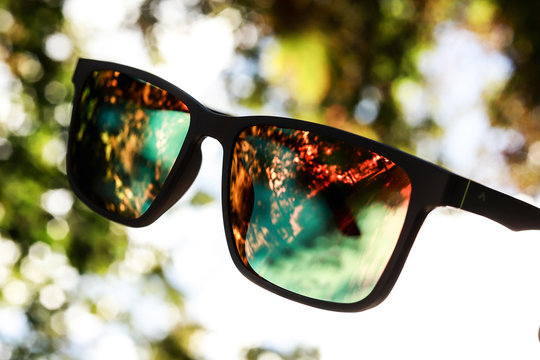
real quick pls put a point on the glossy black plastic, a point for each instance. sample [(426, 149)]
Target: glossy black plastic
[(432, 186)]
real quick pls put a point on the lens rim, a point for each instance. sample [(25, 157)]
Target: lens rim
[(418, 208), (261, 131), (186, 160), (133, 95), (429, 182)]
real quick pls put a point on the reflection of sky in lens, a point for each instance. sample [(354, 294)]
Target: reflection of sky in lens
[(130, 135), (315, 216)]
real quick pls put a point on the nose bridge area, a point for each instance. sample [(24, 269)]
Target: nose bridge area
[(218, 126), (209, 124)]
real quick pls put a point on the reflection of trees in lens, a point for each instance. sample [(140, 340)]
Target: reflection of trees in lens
[(129, 137), (304, 206)]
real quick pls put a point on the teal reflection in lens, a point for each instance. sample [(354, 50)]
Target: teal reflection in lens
[(314, 216), (128, 137)]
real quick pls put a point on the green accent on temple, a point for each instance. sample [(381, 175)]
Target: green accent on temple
[(465, 194)]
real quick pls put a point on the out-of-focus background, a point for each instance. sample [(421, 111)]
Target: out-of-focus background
[(455, 82)]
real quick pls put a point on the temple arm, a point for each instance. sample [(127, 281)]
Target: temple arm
[(479, 199)]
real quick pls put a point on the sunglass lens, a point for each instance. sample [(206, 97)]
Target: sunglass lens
[(312, 215), (127, 134)]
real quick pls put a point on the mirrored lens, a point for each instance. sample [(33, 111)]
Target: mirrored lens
[(127, 137), (315, 216)]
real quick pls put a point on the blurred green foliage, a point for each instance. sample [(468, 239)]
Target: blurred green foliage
[(300, 354), (33, 164), (325, 56), (361, 45), (370, 46), (25, 176)]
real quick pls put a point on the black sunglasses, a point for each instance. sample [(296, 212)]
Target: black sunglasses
[(312, 213)]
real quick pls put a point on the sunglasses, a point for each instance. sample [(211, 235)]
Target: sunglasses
[(312, 213)]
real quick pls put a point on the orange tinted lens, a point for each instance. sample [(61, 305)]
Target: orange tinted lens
[(127, 138), (315, 216)]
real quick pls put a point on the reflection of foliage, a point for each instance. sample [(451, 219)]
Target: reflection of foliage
[(141, 128), (320, 207)]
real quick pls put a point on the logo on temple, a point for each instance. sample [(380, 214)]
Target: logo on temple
[(482, 196)]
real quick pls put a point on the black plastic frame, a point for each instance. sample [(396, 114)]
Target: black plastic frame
[(432, 186)]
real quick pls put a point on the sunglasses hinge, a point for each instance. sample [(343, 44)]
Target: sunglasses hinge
[(456, 191)]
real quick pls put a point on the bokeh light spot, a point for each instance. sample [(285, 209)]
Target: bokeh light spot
[(57, 202), (57, 228), (58, 46), (16, 292), (54, 152), (6, 21), (29, 67), (55, 92), (52, 297), (9, 252)]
